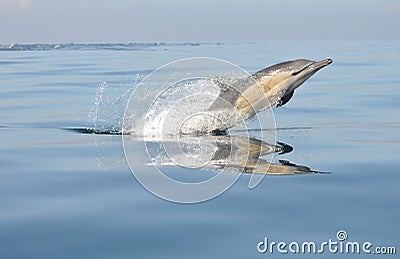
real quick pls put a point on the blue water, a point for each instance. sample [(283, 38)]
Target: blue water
[(64, 194)]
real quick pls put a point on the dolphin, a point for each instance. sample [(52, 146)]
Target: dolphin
[(239, 99), (271, 86)]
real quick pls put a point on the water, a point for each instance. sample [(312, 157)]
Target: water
[(67, 194)]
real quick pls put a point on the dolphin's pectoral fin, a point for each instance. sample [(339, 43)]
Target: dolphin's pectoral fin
[(285, 99)]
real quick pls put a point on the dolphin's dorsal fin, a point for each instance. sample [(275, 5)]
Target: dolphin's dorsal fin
[(228, 93), (285, 99)]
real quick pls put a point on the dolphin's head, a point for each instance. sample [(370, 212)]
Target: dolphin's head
[(302, 69), (287, 76)]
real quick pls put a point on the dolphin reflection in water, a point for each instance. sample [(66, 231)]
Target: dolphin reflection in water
[(215, 152), (228, 153)]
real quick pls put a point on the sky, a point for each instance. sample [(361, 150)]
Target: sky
[(61, 21)]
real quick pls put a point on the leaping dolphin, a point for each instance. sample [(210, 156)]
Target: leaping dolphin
[(267, 87), (241, 98)]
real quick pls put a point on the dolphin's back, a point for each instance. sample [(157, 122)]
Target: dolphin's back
[(287, 66)]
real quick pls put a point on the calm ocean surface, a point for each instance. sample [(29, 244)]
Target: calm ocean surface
[(64, 194)]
